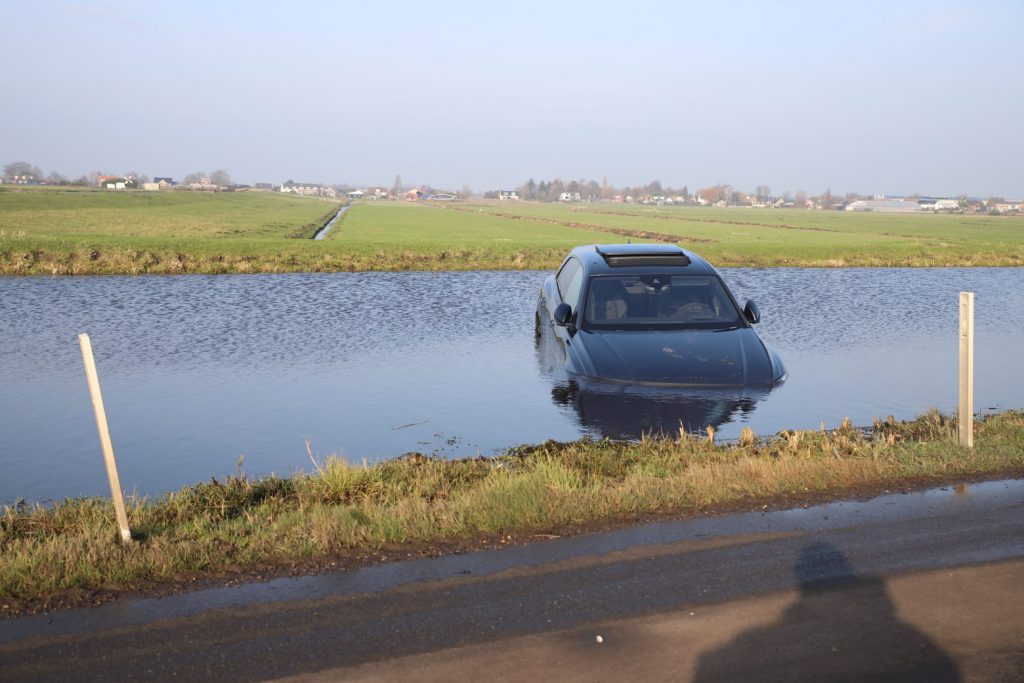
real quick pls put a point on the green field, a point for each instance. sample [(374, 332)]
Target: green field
[(79, 232), (97, 232), (774, 237)]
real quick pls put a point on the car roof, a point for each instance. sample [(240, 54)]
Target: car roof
[(643, 258)]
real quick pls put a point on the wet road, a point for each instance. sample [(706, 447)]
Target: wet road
[(872, 584)]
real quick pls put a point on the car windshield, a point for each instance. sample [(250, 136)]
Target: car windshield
[(658, 301)]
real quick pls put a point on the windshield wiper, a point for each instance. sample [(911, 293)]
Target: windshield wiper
[(727, 329)]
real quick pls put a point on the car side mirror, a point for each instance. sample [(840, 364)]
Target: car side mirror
[(752, 313), (563, 314)]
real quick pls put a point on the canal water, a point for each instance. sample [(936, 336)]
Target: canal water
[(199, 372)]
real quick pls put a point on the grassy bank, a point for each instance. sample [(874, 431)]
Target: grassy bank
[(50, 232), (344, 513)]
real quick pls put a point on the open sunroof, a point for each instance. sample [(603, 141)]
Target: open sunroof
[(644, 255)]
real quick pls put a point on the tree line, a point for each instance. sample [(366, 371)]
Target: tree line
[(26, 170), (721, 193)]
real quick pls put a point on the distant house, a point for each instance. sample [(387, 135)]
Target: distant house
[(204, 184), (508, 195), (24, 180), (443, 197), (151, 187), (355, 194), (884, 206), (263, 187), (164, 183), (946, 205), (569, 197), (112, 182), (309, 189)]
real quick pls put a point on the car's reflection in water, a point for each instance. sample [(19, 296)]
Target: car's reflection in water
[(623, 411)]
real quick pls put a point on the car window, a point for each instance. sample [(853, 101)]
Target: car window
[(570, 281), (643, 301)]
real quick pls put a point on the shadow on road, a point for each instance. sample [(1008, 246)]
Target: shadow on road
[(843, 628)]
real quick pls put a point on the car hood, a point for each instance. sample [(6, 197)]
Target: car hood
[(734, 357)]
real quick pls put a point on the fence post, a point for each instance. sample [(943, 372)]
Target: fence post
[(965, 410), (101, 425)]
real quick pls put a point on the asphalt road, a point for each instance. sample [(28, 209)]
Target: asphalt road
[(921, 586)]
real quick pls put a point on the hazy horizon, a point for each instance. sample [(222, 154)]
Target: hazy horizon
[(871, 98)]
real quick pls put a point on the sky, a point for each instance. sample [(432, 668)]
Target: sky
[(869, 97)]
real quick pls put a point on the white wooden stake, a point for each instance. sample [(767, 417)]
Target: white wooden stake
[(101, 425), (965, 417)]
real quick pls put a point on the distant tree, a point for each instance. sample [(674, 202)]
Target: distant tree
[(717, 193), (543, 189), (396, 189), (827, 201), (194, 177), (594, 190), (800, 199), (686, 193), (654, 188), (55, 178), (555, 189), (221, 177), (21, 168), (763, 193), (467, 192)]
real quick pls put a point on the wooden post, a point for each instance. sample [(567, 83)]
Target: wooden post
[(101, 425), (965, 411)]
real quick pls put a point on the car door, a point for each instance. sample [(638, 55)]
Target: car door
[(569, 286)]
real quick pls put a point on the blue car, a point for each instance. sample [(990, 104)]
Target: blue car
[(654, 315)]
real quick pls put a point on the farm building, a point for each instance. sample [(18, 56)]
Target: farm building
[(883, 206)]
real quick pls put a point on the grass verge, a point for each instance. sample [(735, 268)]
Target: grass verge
[(50, 554)]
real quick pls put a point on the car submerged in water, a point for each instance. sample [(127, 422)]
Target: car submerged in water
[(654, 315)]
